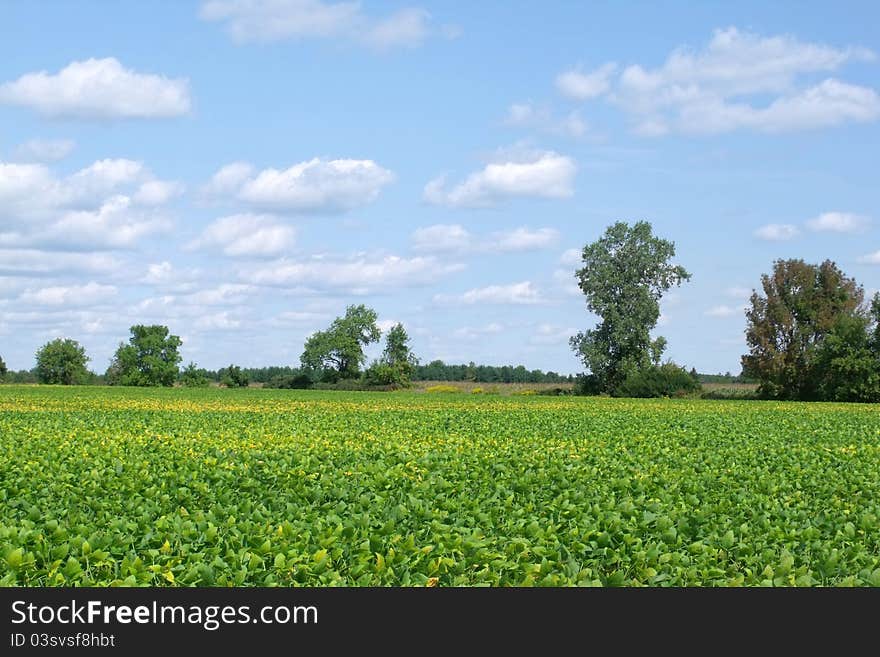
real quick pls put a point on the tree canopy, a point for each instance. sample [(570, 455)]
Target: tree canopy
[(624, 275), (62, 361), (800, 306), (150, 358), (338, 352)]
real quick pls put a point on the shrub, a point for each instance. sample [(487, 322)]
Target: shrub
[(528, 392), (290, 382), (476, 391), (193, 377), (587, 384), (234, 377), (667, 380)]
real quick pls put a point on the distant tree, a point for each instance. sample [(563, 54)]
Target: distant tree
[(234, 377), (193, 376), (800, 305), (624, 275), (150, 358), (62, 361), (3, 370), (338, 352), (397, 364)]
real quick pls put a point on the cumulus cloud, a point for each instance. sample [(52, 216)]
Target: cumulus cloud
[(739, 80), (441, 238), (777, 232), (358, 275), (571, 257), (542, 119), (523, 239), (247, 235), (266, 21), (577, 85), (112, 203), (838, 222), (543, 174), (98, 89), (21, 261), (316, 185), (73, 295), (44, 150), (524, 293)]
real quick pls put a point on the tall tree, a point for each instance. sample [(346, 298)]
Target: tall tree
[(397, 364), (800, 305), (3, 369), (150, 358), (624, 275), (62, 361), (338, 352)]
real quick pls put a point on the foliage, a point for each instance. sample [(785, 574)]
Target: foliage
[(193, 376), (801, 303), (437, 370), (150, 358), (62, 361), (398, 362), (666, 380), (208, 487), (845, 366), (338, 352), (624, 275), (234, 377), (3, 370), (300, 381)]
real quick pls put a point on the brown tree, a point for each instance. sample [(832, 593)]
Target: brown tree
[(800, 305)]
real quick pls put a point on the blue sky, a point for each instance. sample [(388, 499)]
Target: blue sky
[(241, 170)]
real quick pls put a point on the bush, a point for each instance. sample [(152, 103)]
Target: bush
[(386, 374), (477, 391), (290, 382), (234, 377), (667, 380), (587, 384), (193, 377)]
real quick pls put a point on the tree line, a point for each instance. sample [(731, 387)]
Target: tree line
[(811, 335)]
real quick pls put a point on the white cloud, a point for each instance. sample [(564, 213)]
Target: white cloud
[(74, 295), (566, 280), (724, 311), (537, 174), (159, 272), (582, 86), (115, 224), (98, 88), (157, 192), (453, 238), (357, 275), (44, 150), (386, 325), (571, 257), (739, 80), (247, 235), (523, 293), (523, 239), (266, 21), (441, 238), (313, 186), (527, 115), (870, 258), (547, 334), (838, 222), (777, 232), (223, 295)]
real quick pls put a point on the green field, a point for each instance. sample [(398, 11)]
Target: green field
[(256, 487)]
